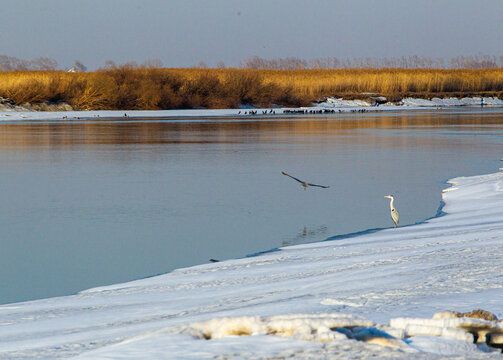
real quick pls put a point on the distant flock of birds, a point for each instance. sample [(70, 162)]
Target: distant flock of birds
[(273, 112), (254, 112), (394, 212), (305, 111)]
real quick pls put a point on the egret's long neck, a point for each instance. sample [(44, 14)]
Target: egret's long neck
[(391, 203)]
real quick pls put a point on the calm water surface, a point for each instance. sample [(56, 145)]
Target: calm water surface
[(91, 203)]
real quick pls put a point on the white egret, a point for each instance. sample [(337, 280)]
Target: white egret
[(394, 212), (303, 183)]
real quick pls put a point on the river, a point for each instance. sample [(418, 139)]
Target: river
[(93, 202)]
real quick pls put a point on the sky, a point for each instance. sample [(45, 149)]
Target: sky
[(181, 33)]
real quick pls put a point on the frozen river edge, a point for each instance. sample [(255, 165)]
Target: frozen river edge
[(356, 297), (329, 105)]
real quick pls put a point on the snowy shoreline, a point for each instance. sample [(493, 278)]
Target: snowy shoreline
[(330, 105), (380, 287)]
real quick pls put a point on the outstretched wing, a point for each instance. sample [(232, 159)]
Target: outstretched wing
[(321, 186), (284, 173)]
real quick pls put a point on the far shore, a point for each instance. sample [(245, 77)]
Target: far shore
[(125, 88)]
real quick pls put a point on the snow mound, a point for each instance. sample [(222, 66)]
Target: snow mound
[(418, 102), (312, 327)]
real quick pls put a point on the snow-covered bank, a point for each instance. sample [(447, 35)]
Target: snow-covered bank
[(413, 102), (330, 105), (355, 297), (437, 102)]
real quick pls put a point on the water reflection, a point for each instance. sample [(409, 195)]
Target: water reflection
[(213, 130), (307, 234), (87, 203)]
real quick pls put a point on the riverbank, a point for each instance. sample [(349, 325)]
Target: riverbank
[(357, 297), (125, 88), (326, 106)]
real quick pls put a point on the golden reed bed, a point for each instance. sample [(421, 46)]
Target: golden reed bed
[(157, 88)]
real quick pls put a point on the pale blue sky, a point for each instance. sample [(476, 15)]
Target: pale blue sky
[(184, 32)]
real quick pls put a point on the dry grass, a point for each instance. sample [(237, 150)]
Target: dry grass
[(393, 83), (127, 88)]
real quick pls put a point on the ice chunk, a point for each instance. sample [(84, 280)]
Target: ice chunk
[(430, 330), (494, 101), (340, 103), (417, 102), (222, 327), (474, 329), (452, 102), (472, 101)]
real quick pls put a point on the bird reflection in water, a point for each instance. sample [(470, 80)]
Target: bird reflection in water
[(305, 235)]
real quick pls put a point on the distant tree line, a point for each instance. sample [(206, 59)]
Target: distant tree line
[(11, 63), (404, 62)]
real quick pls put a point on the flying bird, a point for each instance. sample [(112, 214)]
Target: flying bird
[(394, 212), (303, 183)]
